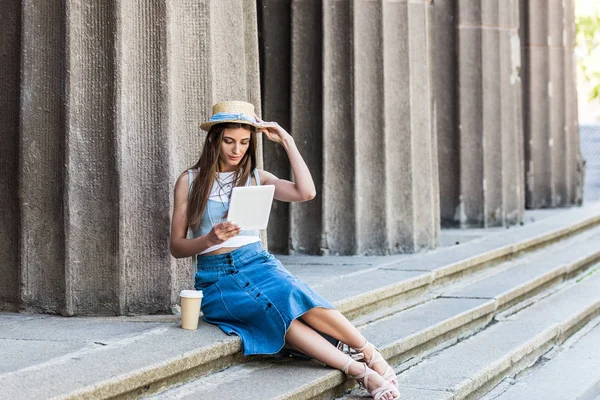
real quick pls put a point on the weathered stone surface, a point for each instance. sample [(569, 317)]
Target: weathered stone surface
[(145, 342), (445, 88), (573, 374), (111, 95), (190, 95), (474, 362), (354, 285), (426, 321), (339, 163), (359, 110), (532, 271), (240, 382), (42, 157), (10, 48), (489, 119), (90, 273), (274, 20), (306, 108), (93, 347), (554, 168), (142, 159)]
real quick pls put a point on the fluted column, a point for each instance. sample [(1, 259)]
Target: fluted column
[(445, 87), (10, 48), (306, 105), (553, 161), (275, 27), (575, 168), (360, 105), (411, 171), (339, 230), (90, 198), (111, 98), (190, 96), (490, 128), (142, 156), (42, 157)]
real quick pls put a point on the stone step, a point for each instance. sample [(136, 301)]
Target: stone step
[(532, 272), (166, 355), (403, 336), (356, 290), (473, 366), (570, 372), (514, 280)]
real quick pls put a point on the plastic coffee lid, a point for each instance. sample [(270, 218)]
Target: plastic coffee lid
[(195, 294)]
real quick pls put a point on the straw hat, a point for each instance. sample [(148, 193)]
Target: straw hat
[(231, 111)]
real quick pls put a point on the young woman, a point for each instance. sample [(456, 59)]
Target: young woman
[(246, 290)]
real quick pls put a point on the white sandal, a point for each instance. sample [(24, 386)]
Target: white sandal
[(389, 374), (378, 392)]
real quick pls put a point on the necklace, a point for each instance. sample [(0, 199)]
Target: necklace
[(223, 186)]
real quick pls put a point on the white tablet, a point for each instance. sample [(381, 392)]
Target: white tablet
[(250, 206)]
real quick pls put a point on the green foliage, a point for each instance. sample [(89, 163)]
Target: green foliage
[(588, 39)]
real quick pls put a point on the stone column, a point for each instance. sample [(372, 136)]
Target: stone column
[(10, 48), (42, 157), (142, 157), (111, 98), (411, 169), (490, 129), (575, 168), (190, 96), (275, 50), (445, 110), (553, 161), (360, 106), (90, 197)]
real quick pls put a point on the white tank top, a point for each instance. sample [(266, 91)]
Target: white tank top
[(220, 193)]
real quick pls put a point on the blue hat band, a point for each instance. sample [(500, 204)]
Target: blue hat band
[(223, 116)]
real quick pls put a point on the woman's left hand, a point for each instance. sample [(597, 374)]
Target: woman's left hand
[(273, 131)]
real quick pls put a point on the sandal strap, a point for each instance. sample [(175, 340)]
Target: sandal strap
[(364, 346), (365, 375), (389, 374), (347, 365), (377, 392), (375, 357), (380, 392), (344, 348), (376, 354)]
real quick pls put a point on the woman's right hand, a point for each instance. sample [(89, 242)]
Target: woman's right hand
[(222, 232)]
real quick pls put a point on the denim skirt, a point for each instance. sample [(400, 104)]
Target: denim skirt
[(249, 293)]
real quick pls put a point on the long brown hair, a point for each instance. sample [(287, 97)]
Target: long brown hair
[(208, 167)]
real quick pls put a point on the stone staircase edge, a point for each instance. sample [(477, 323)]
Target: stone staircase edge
[(345, 305), (421, 337), (138, 378), (473, 383)]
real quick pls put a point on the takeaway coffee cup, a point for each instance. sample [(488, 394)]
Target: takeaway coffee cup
[(190, 308)]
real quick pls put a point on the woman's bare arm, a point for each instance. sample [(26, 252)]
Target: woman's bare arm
[(303, 187), (180, 245)]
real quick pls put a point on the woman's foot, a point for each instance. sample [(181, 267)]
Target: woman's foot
[(373, 383), (374, 360)]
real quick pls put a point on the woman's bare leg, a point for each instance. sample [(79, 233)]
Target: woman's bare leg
[(305, 339), (334, 324)]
